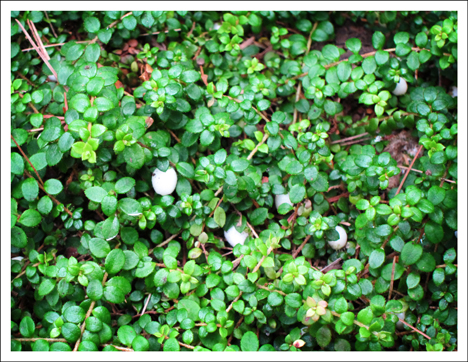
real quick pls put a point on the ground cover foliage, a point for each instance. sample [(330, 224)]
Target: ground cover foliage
[(244, 105)]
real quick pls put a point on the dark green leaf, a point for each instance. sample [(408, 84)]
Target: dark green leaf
[(411, 253)]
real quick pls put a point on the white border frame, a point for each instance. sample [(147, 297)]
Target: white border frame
[(461, 7)]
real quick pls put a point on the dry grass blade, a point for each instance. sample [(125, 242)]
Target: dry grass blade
[(38, 39), (39, 51), (146, 304), (57, 45)]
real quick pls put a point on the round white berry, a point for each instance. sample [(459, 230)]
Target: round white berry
[(401, 87), (282, 199), (216, 26), (234, 237), (164, 183), (342, 240), (454, 92), (400, 325)]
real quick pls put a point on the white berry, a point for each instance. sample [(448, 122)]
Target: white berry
[(401, 87), (282, 199), (234, 237), (164, 183), (216, 26), (341, 242), (401, 325), (454, 92)]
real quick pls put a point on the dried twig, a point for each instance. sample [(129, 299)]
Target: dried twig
[(298, 250), (164, 242), (254, 151), (349, 138), (51, 197), (331, 265), (413, 328), (355, 142), (247, 42), (419, 171), (27, 159), (50, 23), (393, 277), (90, 309), (40, 339), (366, 55), (157, 32), (407, 173)]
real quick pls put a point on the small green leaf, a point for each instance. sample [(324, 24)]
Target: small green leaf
[(297, 193), (30, 218), (426, 263), (99, 247), (376, 258), (74, 314), (17, 164), (92, 24), (249, 342), (124, 185), (365, 316), (126, 335), (411, 253), (275, 299), (94, 290), (438, 276), (323, 336), (239, 165), (190, 76), (46, 286), (18, 237), (171, 345), (95, 193), (115, 261), (30, 189), (94, 87), (220, 216), (27, 327), (436, 195), (186, 169), (259, 216), (53, 186), (103, 104), (140, 344)]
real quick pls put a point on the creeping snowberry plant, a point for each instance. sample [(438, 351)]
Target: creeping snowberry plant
[(233, 181)]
